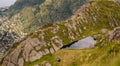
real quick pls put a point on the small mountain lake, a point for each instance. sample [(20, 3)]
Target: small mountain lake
[(88, 42)]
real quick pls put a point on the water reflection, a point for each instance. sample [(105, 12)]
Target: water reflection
[(87, 42)]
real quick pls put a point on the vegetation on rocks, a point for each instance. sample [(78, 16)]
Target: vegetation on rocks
[(6, 41), (33, 14), (96, 18)]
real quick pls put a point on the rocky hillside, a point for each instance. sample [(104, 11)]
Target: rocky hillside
[(24, 15), (33, 14), (10, 32), (12, 25), (6, 41), (96, 18)]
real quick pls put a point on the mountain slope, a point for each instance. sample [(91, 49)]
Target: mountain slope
[(33, 14), (26, 15), (38, 47), (20, 4), (10, 32)]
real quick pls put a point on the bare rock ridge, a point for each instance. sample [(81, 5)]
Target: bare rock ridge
[(93, 17), (27, 14), (115, 35), (30, 50)]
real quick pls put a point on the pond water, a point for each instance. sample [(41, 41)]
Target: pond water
[(4, 3), (87, 42)]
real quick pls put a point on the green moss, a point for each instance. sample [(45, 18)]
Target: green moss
[(63, 33), (33, 35), (48, 34)]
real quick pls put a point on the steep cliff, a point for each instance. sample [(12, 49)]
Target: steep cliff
[(96, 18)]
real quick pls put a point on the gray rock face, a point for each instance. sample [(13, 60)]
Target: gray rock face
[(6, 41), (104, 31), (21, 62), (15, 55), (10, 64), (52, 50), (115, 34), (10, 32), (45, 64), (32, 50), (34, 55)]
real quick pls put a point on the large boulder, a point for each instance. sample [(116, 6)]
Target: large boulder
[(115, 34)]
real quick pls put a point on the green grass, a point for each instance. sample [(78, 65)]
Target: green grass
[(44, 58), (103, 54), (88, 57)]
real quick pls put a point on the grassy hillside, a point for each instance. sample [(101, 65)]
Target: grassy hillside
[(94, 17), (100, 15), (90, 20), (33, 14)]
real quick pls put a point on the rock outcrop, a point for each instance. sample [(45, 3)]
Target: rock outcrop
[(12, 25), (30, 50), (10, 32), (36, 13), (6, 41), (115, 34)]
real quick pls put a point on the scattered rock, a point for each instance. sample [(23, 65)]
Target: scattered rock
[(34, 56), (10, 64), (6, 41), (21, 62), (58, 59), (115, 34), (45, 64), (104, 31), (52, 50), (36, 65)]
